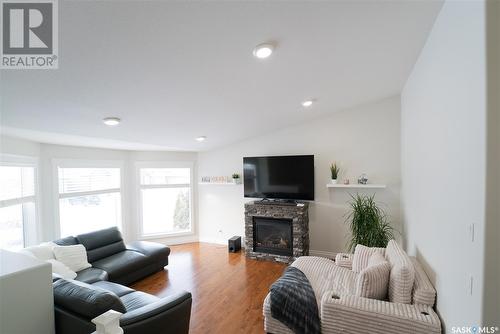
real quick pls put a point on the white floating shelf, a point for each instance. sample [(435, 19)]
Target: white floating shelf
[(219, 184), (356, 185)]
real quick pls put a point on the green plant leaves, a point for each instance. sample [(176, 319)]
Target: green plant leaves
[(335, 170), (368, 223)]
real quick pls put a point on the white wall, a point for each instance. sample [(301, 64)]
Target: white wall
[(364, 139), (47, 155), (443, 159)]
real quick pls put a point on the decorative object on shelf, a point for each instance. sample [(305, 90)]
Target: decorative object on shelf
[(236, 178), (363, 179), (368, 223), (346, 181), (334, 170), (220, 180)]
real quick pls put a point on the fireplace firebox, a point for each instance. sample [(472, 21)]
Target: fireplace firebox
[(273, 236)]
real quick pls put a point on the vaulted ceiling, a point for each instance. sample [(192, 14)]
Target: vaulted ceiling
[(173, 71)]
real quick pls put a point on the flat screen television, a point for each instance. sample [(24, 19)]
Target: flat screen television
[(289, 177)]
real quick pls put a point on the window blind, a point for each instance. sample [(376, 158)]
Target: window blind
[(74, 180), (16, 182)]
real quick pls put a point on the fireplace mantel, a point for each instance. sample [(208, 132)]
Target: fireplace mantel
[(299, 216)]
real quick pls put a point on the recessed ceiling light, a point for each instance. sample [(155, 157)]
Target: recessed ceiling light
[(307, 103), (111, 121), (263, 50), (201, 138)]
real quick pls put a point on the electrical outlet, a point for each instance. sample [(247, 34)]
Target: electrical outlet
[(472, 232), (470, 284)]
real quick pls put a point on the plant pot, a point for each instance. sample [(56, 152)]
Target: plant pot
[(334, 181), (237, 181)]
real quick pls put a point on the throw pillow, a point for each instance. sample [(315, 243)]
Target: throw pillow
[(75, 257), (42, 252), (372, 282), (361, 256), (61, 269), (402, 275)]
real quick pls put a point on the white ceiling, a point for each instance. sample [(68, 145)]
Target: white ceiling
[(177, 70)]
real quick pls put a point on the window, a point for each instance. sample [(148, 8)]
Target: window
[(17, 204), (165, 197), (89, 199)]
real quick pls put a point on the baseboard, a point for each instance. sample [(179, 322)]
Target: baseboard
[(330, 255), (219, 241), (216, 241), (176, 240)]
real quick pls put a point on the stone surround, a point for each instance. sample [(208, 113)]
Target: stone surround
[(300, 226)]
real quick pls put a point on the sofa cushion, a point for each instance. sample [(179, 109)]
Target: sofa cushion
[(117, 289), (75, 256), (91, 275), (84, 299), (372, 282), (324, 275), (402, 274), (122, 263), (361, 256), (137, 299), (103, 243)]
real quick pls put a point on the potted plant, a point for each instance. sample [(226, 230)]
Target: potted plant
[(236, 178), (334, 170), (368, 223)]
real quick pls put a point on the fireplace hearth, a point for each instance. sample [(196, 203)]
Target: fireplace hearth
[(276, 232)]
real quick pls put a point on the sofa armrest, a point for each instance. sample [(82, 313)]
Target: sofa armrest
[(171, 314), (344, 260), (155, 250), (362, 315)]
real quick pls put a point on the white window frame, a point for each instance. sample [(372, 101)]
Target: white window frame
[(32, 229), (85, 163), (165, 164)]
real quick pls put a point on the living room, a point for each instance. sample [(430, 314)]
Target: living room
[(207, 167)]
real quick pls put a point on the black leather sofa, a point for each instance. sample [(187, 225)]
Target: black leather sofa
[(112, 260), (77, 303), (98, 289)]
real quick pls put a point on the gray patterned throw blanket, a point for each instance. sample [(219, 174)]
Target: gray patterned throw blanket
[(294, 304)]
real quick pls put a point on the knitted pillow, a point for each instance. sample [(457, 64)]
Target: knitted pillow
[(372, 282), (361, 256), (402, 274)]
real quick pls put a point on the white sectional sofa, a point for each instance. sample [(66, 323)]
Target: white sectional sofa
[(408, 307)]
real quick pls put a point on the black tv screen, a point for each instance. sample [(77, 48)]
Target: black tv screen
[(280, 177)]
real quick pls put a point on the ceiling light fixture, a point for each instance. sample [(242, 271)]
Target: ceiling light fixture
[(111, 121), (201, 138), (263, 50), (307, 103)]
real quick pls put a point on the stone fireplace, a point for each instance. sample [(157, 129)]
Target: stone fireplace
[(277, 232)]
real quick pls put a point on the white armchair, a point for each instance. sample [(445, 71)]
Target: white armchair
[(342, 311)]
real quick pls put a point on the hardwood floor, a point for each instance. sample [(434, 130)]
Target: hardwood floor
[(228, 289)]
